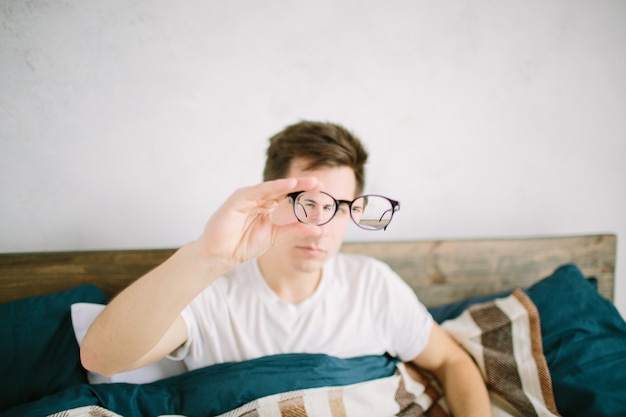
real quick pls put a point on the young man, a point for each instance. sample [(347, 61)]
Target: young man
[(265, 277)]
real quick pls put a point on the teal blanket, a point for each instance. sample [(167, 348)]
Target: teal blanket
[(215, 389)]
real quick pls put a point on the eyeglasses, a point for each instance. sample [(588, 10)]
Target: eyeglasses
[(369, 212)]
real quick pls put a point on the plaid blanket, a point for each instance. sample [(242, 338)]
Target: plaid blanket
[(503, 336)]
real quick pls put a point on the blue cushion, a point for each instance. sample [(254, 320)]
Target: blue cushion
[(453, 310), (584, 342), (39, 352)]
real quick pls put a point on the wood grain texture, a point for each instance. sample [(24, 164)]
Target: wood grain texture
[(439, 271), (26, 274), (449, 270)]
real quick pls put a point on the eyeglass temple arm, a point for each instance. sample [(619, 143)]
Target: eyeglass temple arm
[(395, 206), (295, 195), (304, 210)]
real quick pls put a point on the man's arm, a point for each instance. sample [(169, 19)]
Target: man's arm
[(462, 382), (143, 323)]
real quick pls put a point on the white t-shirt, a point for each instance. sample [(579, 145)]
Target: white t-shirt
[(360, 307)]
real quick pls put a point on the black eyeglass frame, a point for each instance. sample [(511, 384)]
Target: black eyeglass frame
[(395, 206)]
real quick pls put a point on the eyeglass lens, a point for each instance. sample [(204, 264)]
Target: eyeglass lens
[(371, 212)]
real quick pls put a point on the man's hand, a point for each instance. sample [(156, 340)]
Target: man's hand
[(130, 332), (242, 228)]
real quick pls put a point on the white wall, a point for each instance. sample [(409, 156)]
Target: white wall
[(124, 124)]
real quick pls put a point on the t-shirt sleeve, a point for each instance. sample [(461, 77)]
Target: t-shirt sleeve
[(415, 332), (408, 321), (182, 351)]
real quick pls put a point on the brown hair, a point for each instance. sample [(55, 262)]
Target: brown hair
[(321, 144)]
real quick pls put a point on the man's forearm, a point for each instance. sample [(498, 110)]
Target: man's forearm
[(140, 316), (465, 390)]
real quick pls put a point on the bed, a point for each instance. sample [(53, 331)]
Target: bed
[(535, 313)]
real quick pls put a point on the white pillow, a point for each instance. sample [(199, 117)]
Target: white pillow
[(83, 314)]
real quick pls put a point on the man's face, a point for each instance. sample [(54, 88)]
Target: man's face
[(308, 254)]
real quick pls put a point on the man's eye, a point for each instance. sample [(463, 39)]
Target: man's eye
[(328, 208), (357, 209)]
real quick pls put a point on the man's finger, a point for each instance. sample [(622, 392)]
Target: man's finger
[(277, 189)]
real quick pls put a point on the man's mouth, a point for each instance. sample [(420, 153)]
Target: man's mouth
[(314, 250)]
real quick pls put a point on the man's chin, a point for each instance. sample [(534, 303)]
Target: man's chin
[(309, 266)]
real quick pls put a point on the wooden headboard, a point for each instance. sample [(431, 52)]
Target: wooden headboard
[(439, 271)]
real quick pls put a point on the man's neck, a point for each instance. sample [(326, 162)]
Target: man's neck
[(290, 286)]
